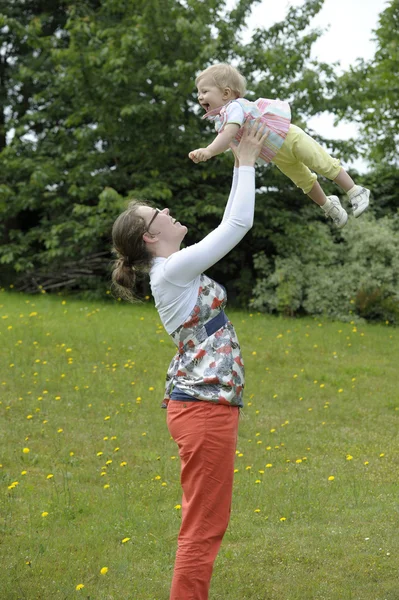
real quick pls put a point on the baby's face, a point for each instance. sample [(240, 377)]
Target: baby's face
[(210, 96)]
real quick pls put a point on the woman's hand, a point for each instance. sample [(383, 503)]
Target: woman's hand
[(254, 136), (233, 148)]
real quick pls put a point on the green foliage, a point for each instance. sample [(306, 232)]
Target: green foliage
[(377, 304), (354, 273), (99, 103), (368, 92), (110, 103)]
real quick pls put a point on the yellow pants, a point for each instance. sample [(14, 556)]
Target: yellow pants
[(299, 154)]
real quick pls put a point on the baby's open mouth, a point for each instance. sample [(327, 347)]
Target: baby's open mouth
[(206, 107)]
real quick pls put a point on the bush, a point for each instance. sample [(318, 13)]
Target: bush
[(344, 274), (377, 304)]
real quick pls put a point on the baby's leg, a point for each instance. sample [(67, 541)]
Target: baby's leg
[(308, 151), (344, 180), (290, 163)]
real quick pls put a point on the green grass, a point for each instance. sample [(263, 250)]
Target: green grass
[(317, 392)]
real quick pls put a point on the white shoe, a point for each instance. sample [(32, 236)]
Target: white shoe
[(360, 201), (336, 212)]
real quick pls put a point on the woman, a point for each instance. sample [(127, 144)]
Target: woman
[(206, 377)]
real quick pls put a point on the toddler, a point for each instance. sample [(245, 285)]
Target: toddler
[(221, 90)]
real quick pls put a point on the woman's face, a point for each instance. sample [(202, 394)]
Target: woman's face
[(162, 225)]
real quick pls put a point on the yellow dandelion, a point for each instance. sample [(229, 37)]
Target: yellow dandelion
[(106, 486), (178, 506), (331, 478), (44, 514), (349, 457), (269, 465), (104, 571), (22, 472), (99, 453), (382, 454), (236, 470), (257, 510), (50, 476), (283, 519), (123, 463), (26, 450), (125, 540), (80, 586), (366, 462)]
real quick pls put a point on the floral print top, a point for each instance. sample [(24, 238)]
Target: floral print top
[(209, 368)]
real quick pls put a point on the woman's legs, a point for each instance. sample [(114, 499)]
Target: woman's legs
[(206, 434)]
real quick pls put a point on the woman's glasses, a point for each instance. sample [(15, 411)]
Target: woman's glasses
[(156, 213)]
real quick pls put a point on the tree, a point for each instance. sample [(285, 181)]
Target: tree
[(368, 92), (113, 113)]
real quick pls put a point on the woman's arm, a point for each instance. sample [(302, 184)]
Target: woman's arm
[(183, 266)]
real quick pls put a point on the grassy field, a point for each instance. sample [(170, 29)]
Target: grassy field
[(89, 477)]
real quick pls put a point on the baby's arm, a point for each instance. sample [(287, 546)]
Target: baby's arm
[(220, 144)]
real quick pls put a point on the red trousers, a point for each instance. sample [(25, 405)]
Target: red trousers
[(206, 434)]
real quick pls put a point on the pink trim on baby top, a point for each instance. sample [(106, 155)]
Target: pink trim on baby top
[(275, 113)]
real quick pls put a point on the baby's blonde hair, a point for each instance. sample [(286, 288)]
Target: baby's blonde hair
[(224, 75)]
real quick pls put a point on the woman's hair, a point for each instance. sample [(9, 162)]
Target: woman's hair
[(132, 254), (224, 75)]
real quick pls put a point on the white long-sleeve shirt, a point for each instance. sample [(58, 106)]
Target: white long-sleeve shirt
[(175, 280)]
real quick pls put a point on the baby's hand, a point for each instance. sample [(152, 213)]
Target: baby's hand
[(200, 155)]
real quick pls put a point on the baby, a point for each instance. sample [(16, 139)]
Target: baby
[(221, 90)]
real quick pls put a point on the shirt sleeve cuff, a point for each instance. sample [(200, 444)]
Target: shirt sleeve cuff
[(247, 168)]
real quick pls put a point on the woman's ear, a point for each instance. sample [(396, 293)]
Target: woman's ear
[(150, 238)]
